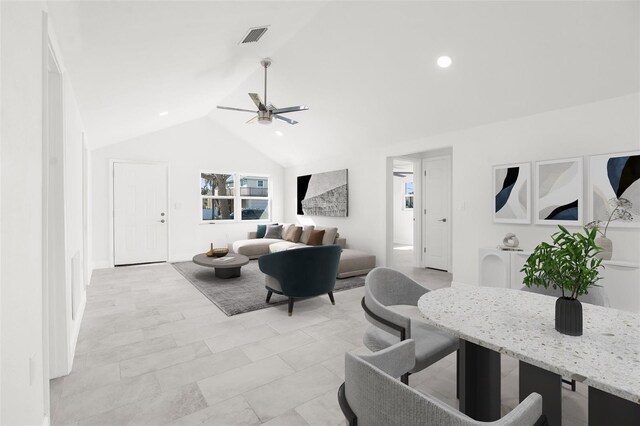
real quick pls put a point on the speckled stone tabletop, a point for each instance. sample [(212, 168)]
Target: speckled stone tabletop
[(521, 324)]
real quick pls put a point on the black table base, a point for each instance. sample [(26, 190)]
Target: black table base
[(480, 380), (547, 384), (607, 409), (227, 272)]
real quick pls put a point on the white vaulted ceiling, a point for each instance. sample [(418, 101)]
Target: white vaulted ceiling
[(366, 69)]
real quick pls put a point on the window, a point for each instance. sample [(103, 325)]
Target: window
[(408, 196), (221, 199)]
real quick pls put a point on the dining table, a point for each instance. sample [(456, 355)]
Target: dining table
[(491, 322)]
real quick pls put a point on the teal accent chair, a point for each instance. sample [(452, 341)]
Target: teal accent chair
[(304, 272)]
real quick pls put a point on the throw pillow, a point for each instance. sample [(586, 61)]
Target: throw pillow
[(262, 229), (285, 229), (273, 231), (315, 239), (306, 233), (329, 235), (293, 234)]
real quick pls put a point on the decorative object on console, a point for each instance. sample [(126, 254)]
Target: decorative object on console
[(323, 194), (558, 192), (571, 265), (614, 187), (621, 210), (220, 252), (512, 189), (510, 241)]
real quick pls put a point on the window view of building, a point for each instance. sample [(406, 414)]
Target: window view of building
[(221, 199)]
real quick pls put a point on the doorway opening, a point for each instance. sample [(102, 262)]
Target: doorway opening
[(419, 199)]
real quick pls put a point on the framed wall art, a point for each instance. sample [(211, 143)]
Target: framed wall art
[(558, 192), (323, 194), (614, 189), (512, 193)]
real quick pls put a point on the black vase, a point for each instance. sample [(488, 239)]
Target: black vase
[(569, 316)]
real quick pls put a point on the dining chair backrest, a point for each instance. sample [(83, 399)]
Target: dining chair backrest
[(372, 395)]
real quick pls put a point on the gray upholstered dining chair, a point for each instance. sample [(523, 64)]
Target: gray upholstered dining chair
[(385, 290), (372, 395)]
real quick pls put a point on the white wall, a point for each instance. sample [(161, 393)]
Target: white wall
[(402, 218), (189, 148), (23, 400), (607, 126)]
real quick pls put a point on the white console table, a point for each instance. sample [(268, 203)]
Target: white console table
[(620, 279)]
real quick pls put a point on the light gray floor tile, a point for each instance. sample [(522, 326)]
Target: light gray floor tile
[(297, 321), (323, 410), (144, 322), (143, 347), (155, 410), (206, 331), (115, 340), (231, 412), (284, 394), (100, 400), (81, 381), (201, 368), (275, 345), (290, 418), (230, 339), (165, 358), (316, 352), (242, 379)]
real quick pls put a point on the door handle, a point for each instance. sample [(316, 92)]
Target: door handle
[(444, 219), (161, 221)]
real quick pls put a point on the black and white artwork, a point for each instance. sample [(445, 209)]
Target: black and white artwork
[(558, 192), (511, 189), (323, 194), (614, 183)]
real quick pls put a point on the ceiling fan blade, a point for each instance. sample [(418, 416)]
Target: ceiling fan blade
[(290, 109), (252, 120), (256, 100), (288, 120), (271, 107), (236, 109)]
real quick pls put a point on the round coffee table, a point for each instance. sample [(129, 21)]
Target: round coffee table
[(225, 267)]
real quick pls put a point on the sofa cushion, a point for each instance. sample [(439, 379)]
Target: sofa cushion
[(315, 239), (273, 232), (355, 262), (284, 245), (293, 234), (329, 235), (261, 230), (285, 229), (253, 248), (306, 233)]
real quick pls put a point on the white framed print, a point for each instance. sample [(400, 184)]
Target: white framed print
[(614, 189), (558, 192), (512, 193)]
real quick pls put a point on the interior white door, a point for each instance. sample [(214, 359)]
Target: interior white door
[(436, 212), (140, 213)]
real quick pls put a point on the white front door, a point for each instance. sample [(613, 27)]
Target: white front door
[(139, 213), (436, 212)]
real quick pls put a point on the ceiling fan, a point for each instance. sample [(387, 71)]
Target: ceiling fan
[(267, 112)]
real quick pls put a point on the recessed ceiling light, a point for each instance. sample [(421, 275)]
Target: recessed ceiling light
[(279, 133), (444, 62), (163, 113)]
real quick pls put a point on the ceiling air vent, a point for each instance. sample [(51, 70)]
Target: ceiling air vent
[(254, 34)]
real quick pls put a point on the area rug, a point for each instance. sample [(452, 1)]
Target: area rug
[(243, 294)]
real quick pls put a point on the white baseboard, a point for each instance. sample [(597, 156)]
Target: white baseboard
[(46, 421)]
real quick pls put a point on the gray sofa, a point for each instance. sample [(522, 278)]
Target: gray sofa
[(352, 262)]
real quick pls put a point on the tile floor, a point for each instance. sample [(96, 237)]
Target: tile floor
[(153, 350)]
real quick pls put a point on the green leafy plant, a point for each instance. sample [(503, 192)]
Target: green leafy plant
[(568, 263)]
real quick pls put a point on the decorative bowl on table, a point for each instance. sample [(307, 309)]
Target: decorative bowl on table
[(220, 252)]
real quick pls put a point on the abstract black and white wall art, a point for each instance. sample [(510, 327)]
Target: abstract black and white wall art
[(512, 189), (323, 194), (614, 181), (558, 192)]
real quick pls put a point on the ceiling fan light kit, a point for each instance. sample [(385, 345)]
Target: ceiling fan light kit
[(267, 112)]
